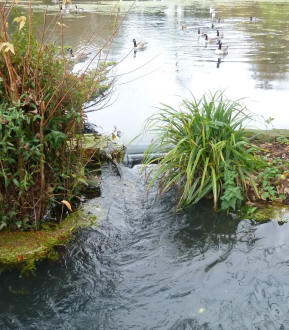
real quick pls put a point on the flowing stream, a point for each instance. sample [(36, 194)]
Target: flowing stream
[(144, 266)]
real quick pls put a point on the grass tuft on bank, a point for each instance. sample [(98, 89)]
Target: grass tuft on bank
[(207, 152)]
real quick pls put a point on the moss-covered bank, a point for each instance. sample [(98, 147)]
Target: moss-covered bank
[(23, 249)]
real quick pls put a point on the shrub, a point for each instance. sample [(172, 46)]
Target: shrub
[(41, 118), (206, 151)]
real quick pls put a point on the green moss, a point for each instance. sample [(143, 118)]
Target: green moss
[(24, 249), (268, 211), (102, 147)]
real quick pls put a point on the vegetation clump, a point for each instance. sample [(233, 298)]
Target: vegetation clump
[(41, 118), (206, 152)]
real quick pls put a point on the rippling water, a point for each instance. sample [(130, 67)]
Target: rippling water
[(145, 267)]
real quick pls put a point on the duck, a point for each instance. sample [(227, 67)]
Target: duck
[(142, 45), (210, 38), (220, 34), (66, 9), (78, 10), (200, 33), (221, 50), (78, 56)]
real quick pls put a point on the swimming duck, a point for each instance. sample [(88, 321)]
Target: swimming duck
[(78, 10), (66, 9), (221, 50), (210, 38), (139, 46), (220, 34), (200, 33), (78, 56)]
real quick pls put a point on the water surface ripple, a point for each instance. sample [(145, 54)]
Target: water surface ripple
[(145, 267)]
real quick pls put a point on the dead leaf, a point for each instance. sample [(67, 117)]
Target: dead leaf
[(27, 146), (113, 136), (7, 46), (21, 20), (67, 204), (49, 189), (62, 24)]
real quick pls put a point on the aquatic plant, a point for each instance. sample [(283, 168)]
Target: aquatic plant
[(206, 151), (41, 119)]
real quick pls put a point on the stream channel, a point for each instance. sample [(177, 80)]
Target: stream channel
[(144, 266)]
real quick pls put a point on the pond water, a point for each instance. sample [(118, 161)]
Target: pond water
[(145, 267), (176, 64)]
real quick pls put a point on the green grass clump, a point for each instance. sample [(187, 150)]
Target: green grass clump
[(206, 151)]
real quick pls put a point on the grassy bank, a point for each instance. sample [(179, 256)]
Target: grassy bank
[(212, 154)]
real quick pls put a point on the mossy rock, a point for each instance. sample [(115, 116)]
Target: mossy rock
[(99, 148), (270, 211), (23, 249)]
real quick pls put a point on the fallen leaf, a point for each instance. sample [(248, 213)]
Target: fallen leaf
[(67, 204), (7, 46), (62, 24), (21, 20)]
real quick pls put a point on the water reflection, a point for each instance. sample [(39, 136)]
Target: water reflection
[(176, 63)]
